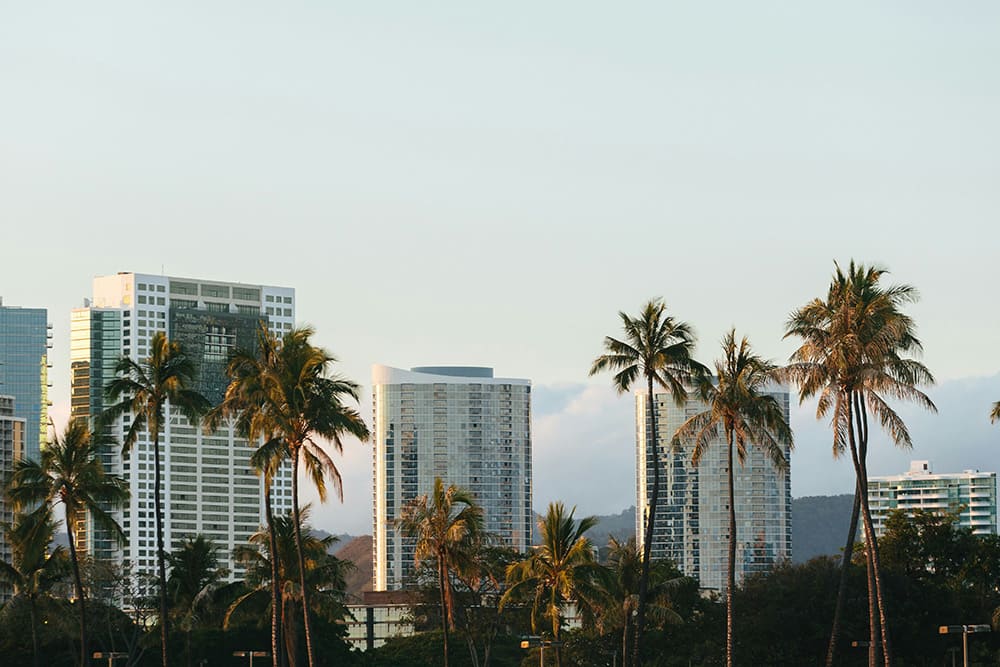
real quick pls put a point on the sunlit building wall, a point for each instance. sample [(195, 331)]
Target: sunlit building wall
[(457, 423), (25, 337), (692, 514), (208, 485)]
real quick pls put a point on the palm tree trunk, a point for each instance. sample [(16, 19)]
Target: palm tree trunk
[(298, 548), (442, 582), (78, 582), (647, 542), (876, 571), (861, 489), (160, 553), (34, 630), (845, 564), (876, 564), (275, 585), (731, 574)]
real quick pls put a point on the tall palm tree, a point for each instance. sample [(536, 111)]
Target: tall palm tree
[(853, 356), (561, 569), (70, 472), (299, 402), (33, 569), (325, 577), (745, 415), (194, 575), (657, 348), (244, 403), (444, 525), (143, 389)]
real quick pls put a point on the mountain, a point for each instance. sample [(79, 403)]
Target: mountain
[(819, 525)]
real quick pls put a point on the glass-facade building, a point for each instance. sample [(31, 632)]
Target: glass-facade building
[(972, 494), (208, 485), (24, 369), (691, 527), (463, 425)]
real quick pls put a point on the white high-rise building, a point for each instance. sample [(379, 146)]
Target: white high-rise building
[(972, 494), (457, 423), (692, 512), (208, 484)]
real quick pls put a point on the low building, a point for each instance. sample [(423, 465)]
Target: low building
[(380, 616), (972, 494)]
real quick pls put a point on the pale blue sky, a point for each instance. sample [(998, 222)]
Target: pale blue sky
[(450, 183)]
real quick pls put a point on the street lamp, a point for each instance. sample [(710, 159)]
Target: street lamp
[(534, 641), (251, 655), (110, 655), (965, 630)]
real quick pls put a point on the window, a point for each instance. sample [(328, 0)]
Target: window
[(218, 291), (217, 307), (178, 287), (246, 293), (288, 299)]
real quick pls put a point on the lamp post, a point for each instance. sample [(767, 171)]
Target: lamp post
[(251, 655), (534, 641), (110, 655), (965, 630)]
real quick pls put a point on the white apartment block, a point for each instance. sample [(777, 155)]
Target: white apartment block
[(207, 482), (971, 493), (463, 425), (692, 514)]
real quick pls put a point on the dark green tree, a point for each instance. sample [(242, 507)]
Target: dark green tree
[(33, 569)]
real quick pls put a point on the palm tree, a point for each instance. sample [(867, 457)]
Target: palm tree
[(70, 472), (444, 525), (852, 357), (33, 569), (995, 413), (620, 593), (325, 577), (740, 410), (244, 403), (194, 575), (561, 569), (656, 348), (143, 389), (297, 401)]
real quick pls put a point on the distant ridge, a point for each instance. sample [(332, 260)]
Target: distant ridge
[(819, 527)]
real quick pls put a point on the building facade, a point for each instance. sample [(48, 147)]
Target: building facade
[(12, 431), (25, 340), (208, 484), (972, 494), (457, 423), (692, 514)]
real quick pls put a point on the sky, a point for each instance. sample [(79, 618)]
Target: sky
[(489, 184)]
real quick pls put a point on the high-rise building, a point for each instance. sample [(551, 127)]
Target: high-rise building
[(972, 494), (463, 425), (208, 484), (12, 431), (692, 512), (24, 369)]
